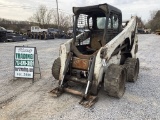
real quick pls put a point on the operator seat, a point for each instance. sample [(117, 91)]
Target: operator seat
[(96, 40)]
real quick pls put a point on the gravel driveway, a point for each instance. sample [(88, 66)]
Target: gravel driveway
[(22, 100)]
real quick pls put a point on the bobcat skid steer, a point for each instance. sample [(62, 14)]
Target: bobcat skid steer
[(101, 53)]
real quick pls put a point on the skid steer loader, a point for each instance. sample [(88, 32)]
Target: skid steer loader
[(103, 55)]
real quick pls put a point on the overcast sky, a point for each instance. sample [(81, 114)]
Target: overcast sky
[(23, 9)]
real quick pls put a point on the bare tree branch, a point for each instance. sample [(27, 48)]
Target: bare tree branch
[(43, 17)]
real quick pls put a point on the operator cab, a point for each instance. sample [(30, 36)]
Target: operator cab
[(94, 26)]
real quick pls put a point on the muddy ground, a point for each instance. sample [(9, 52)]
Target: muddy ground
[(22, 100)]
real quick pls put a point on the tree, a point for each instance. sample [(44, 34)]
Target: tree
[(154, 22), (42, 16), (65, 21), (140, 22), (48, 18)]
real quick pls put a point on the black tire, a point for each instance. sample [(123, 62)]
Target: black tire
[(114, 80), (132, 66), (56, 68), (4, 39)]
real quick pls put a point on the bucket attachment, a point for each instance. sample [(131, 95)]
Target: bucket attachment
[(88, 101)]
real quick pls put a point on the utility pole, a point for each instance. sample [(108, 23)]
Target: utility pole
[(57, 13)]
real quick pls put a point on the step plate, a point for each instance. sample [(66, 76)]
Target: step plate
[(56, 92), (89, 101)]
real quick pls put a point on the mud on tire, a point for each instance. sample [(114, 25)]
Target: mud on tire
[(56, 68), (132, 66), (114, 80)]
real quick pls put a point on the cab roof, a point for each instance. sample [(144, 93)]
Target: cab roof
[(95, 8)]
